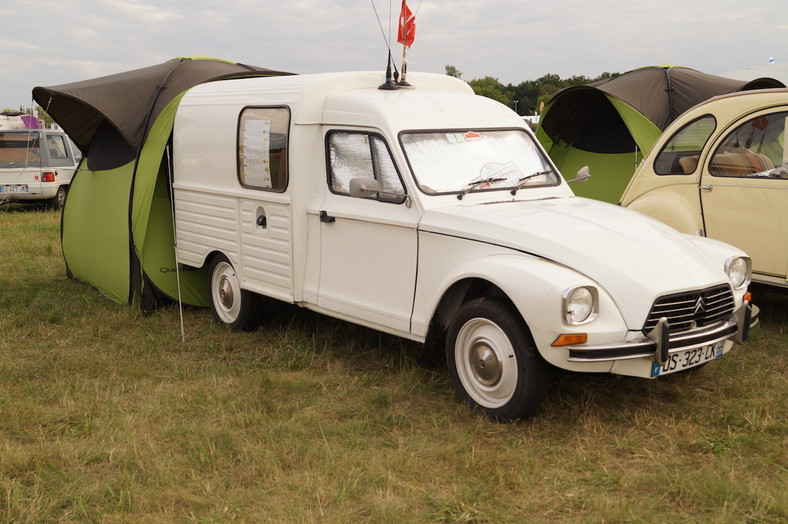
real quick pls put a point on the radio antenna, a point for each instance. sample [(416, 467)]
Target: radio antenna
[(391, 82)]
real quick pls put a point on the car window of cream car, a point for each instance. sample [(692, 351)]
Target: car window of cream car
[(754, 148), (681, 153)]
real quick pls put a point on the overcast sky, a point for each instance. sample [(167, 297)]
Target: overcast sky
[(47, 42)]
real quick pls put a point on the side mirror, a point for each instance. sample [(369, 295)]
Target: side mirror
[(583, 174), (361, 187)]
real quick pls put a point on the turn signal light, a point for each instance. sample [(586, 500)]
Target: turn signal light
[(568, 339), (48, 176), (748, 296)]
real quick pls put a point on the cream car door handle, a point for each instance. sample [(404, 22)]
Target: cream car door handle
[(707, 187)]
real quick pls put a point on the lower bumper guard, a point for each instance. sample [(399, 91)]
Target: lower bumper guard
[(659, 343)]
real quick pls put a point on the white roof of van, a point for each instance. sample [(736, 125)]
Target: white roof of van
[(353, 98)]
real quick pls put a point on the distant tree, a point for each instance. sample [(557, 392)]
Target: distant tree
[(492, 88), (526, 97), (453, 71), (39, 112), (43, 116)]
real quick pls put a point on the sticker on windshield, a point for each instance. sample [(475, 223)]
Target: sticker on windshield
[(459, 138)]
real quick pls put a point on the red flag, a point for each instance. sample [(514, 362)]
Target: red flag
[(407, 26)]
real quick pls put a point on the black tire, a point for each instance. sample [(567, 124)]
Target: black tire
[(493, 361), (231, 305), (59, 200)]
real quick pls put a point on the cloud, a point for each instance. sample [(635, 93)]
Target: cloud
[(49, 42)]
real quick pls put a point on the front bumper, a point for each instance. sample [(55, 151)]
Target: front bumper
[(660, 343)]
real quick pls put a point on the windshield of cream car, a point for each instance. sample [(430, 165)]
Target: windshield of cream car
[(462, 161)]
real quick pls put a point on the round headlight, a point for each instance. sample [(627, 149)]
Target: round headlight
[(580, 304), (738, 270)]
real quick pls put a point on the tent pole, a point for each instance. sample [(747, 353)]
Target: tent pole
[(175, 241)]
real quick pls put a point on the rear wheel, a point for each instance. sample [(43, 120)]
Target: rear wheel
[(59, 200), (231, 305), (493, 361)]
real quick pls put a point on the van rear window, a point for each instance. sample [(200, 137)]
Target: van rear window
[(19, 149), (262, 147)]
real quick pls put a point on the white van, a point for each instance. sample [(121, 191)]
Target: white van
[(434, 214), (36, 165)]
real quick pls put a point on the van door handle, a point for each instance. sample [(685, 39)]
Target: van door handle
[(326, 218), (707, 187)]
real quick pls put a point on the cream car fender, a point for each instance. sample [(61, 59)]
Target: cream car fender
[(676, 206)]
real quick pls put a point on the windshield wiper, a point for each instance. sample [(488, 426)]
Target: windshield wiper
[(470, 187), (521, 181)]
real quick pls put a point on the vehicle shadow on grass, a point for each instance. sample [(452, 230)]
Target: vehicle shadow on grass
[(569, 396), (773, 303)]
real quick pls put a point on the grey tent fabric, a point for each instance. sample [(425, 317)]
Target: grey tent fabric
[(663, 93), (116, 227), (120, 108), (611, 124), (582, 114)]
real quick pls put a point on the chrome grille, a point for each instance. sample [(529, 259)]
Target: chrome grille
[(692, 309)]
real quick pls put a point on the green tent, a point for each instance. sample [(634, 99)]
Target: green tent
[(117, 228), (611, 124)]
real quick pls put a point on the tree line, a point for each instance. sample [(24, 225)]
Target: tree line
[(526, 98), (38, 111)]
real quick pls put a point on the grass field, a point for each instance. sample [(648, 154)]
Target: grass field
[(107, 416)]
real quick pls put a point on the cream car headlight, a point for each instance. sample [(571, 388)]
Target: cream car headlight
[(580, 304), (739, 270)]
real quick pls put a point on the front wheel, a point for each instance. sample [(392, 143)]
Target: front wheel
[(231, 305), (493, 361)]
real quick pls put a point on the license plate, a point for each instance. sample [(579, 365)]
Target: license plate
[(687, 359), (16, 188)]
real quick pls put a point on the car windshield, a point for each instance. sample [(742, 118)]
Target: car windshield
[(461, 161)]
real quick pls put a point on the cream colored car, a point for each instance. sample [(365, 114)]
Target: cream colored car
[(721, 170)]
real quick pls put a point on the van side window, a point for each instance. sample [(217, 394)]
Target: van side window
[(755, 148), (681, 153), (353, 155), (262, 147)]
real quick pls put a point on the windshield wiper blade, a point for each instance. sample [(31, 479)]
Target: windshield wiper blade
[(470, 187), (521, 181)]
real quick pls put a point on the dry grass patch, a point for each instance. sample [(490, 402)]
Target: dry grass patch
[(108, 417)]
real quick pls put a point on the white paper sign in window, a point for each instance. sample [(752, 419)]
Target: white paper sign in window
[(262, 148)]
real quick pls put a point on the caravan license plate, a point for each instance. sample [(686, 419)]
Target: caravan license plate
[(687, 359), (16, 188)]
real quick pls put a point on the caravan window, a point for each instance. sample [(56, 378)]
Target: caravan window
[(262, 147)]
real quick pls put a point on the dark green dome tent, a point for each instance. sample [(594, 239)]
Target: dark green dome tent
[(116, 229), (611, 124)]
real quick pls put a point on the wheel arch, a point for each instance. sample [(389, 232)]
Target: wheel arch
[(459, 293)]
